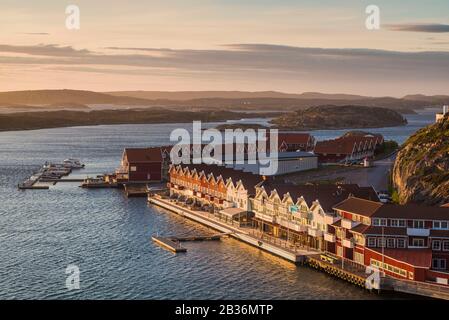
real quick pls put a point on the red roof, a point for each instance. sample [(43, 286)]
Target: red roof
[(134, 155), (421, 258), (346, 144), (293, 138)]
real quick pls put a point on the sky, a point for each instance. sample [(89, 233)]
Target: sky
[(250, 45)]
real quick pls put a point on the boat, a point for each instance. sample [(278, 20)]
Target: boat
[(73, 163), (97, 183)]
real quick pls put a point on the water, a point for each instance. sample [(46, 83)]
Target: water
[(108, 236)]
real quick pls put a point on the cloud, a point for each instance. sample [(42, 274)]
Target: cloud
[(375, 72), (37, 33), (417, 27), (44, 50)]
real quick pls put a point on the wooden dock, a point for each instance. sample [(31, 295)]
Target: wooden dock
[(173, 246), (350, 273), (197, 238)]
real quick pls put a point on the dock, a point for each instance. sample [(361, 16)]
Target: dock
[(50, 174), (173, 246), (135, 190), (289, 254), (346, 271)]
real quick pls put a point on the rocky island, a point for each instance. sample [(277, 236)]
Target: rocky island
[(339, 117), (421, 170)]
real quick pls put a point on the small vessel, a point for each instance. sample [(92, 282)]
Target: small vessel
[(98, 182), (73, 163)]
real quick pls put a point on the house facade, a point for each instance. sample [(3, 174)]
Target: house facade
[(407, 242), (143, 165)]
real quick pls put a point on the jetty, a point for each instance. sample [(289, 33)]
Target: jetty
[(173, 246), (50, 174), (278, 248)]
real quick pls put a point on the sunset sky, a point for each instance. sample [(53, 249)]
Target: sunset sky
[(283, 45)]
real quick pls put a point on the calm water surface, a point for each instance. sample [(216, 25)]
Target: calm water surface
[(108, 235)]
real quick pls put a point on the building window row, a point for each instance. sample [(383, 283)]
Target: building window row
[(438, 245), (382, 242), (439, 264)]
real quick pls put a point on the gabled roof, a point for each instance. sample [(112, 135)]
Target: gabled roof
[(327, 195), (408, 211), (142, 155), (358, 206), (346, 144)]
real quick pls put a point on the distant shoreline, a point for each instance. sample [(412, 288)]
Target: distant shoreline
[(23, 121)]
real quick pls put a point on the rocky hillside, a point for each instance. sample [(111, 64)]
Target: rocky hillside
[(421, 170), (339, 117)]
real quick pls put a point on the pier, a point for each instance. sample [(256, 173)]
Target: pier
[(345, 270), (294, 255), (50, 174), (173, 246)]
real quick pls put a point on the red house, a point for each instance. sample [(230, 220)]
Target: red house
[(143, 165), (409, 242)]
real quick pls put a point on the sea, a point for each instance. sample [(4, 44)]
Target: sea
[(107, 236)]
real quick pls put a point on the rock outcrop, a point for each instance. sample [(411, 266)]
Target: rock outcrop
[(339, 117), (421, 170)]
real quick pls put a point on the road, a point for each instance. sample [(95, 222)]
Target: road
[(376, 176)]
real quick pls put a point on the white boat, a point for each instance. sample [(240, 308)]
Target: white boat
[(73, 163)]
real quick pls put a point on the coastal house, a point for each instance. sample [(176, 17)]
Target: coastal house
[(211, 185), (348, 148), (404, 241), (295, 141), (302, 213), (143, 165)]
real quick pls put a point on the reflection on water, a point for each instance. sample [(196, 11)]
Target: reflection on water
[(108, 236)]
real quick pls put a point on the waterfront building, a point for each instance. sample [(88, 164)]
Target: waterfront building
[(287, 162), (405, 241), (143, 165), (348, 148), (215, 186), (295, 141), (302, 213)]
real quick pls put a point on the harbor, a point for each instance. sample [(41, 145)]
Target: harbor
[(105, 227), (50, 174)]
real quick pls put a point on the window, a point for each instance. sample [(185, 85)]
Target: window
[(133, 168), (391, 242), (440, 225), (418, 224), (445, 245), (400, 243), (439, 264), (418, 242), (397, 223), (381, 242), (380, 222), (436, 245), (372, 242)]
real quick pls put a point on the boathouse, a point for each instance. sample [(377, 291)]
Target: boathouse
[(143, 165)]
